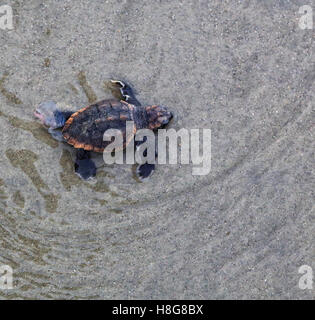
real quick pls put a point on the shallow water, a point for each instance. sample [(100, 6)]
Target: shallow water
[(243, 70)]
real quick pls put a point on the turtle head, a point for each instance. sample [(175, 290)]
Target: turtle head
[(158, 117), (49, 114)]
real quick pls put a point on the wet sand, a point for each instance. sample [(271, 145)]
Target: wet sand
[(244, 70)]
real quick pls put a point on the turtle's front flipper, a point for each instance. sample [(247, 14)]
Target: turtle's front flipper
[(84, 167), (126, 92), (145, 170), (56, 134)]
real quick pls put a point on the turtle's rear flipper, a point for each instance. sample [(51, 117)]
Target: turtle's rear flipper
[(126, 92), (144, 171), (84, 167)]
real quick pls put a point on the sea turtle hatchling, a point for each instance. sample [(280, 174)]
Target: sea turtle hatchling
[(84, 129)]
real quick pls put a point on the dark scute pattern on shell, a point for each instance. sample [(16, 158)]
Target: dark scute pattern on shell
[(88, 127)]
